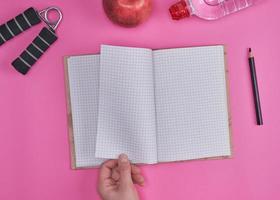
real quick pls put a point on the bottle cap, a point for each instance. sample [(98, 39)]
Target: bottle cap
[(179, 10)]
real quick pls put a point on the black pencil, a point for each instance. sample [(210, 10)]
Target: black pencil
[(255, 88)]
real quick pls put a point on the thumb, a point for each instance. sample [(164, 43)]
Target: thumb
[(124, 170)]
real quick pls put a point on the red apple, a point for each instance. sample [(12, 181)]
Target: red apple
[(128, 13)]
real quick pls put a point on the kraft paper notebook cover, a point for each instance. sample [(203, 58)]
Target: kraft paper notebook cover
[(154, 105)]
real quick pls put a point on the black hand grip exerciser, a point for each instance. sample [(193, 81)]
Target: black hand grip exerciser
[(40, 44), (35, 50), (17, 25)]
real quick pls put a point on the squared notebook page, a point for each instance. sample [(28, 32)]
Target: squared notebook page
[(126, 115), (191, 103), (83, 75)]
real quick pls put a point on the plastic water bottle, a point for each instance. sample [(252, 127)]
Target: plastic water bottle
[(207, 9)]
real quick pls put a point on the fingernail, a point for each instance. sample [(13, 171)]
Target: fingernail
[(123, 158)]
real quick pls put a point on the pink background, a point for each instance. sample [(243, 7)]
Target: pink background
[(34, 151)]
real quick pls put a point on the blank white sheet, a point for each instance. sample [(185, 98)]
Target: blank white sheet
[(126, 121), (83, 73), (191, 103)]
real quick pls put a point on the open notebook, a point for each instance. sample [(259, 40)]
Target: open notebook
[(155, 106)]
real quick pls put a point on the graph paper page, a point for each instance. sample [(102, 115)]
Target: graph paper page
[(126, 116), (191, 103), (83, 73)]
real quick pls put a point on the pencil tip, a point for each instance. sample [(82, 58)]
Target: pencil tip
[(250, 50)]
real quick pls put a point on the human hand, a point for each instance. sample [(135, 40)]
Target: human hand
[(117, 178)]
